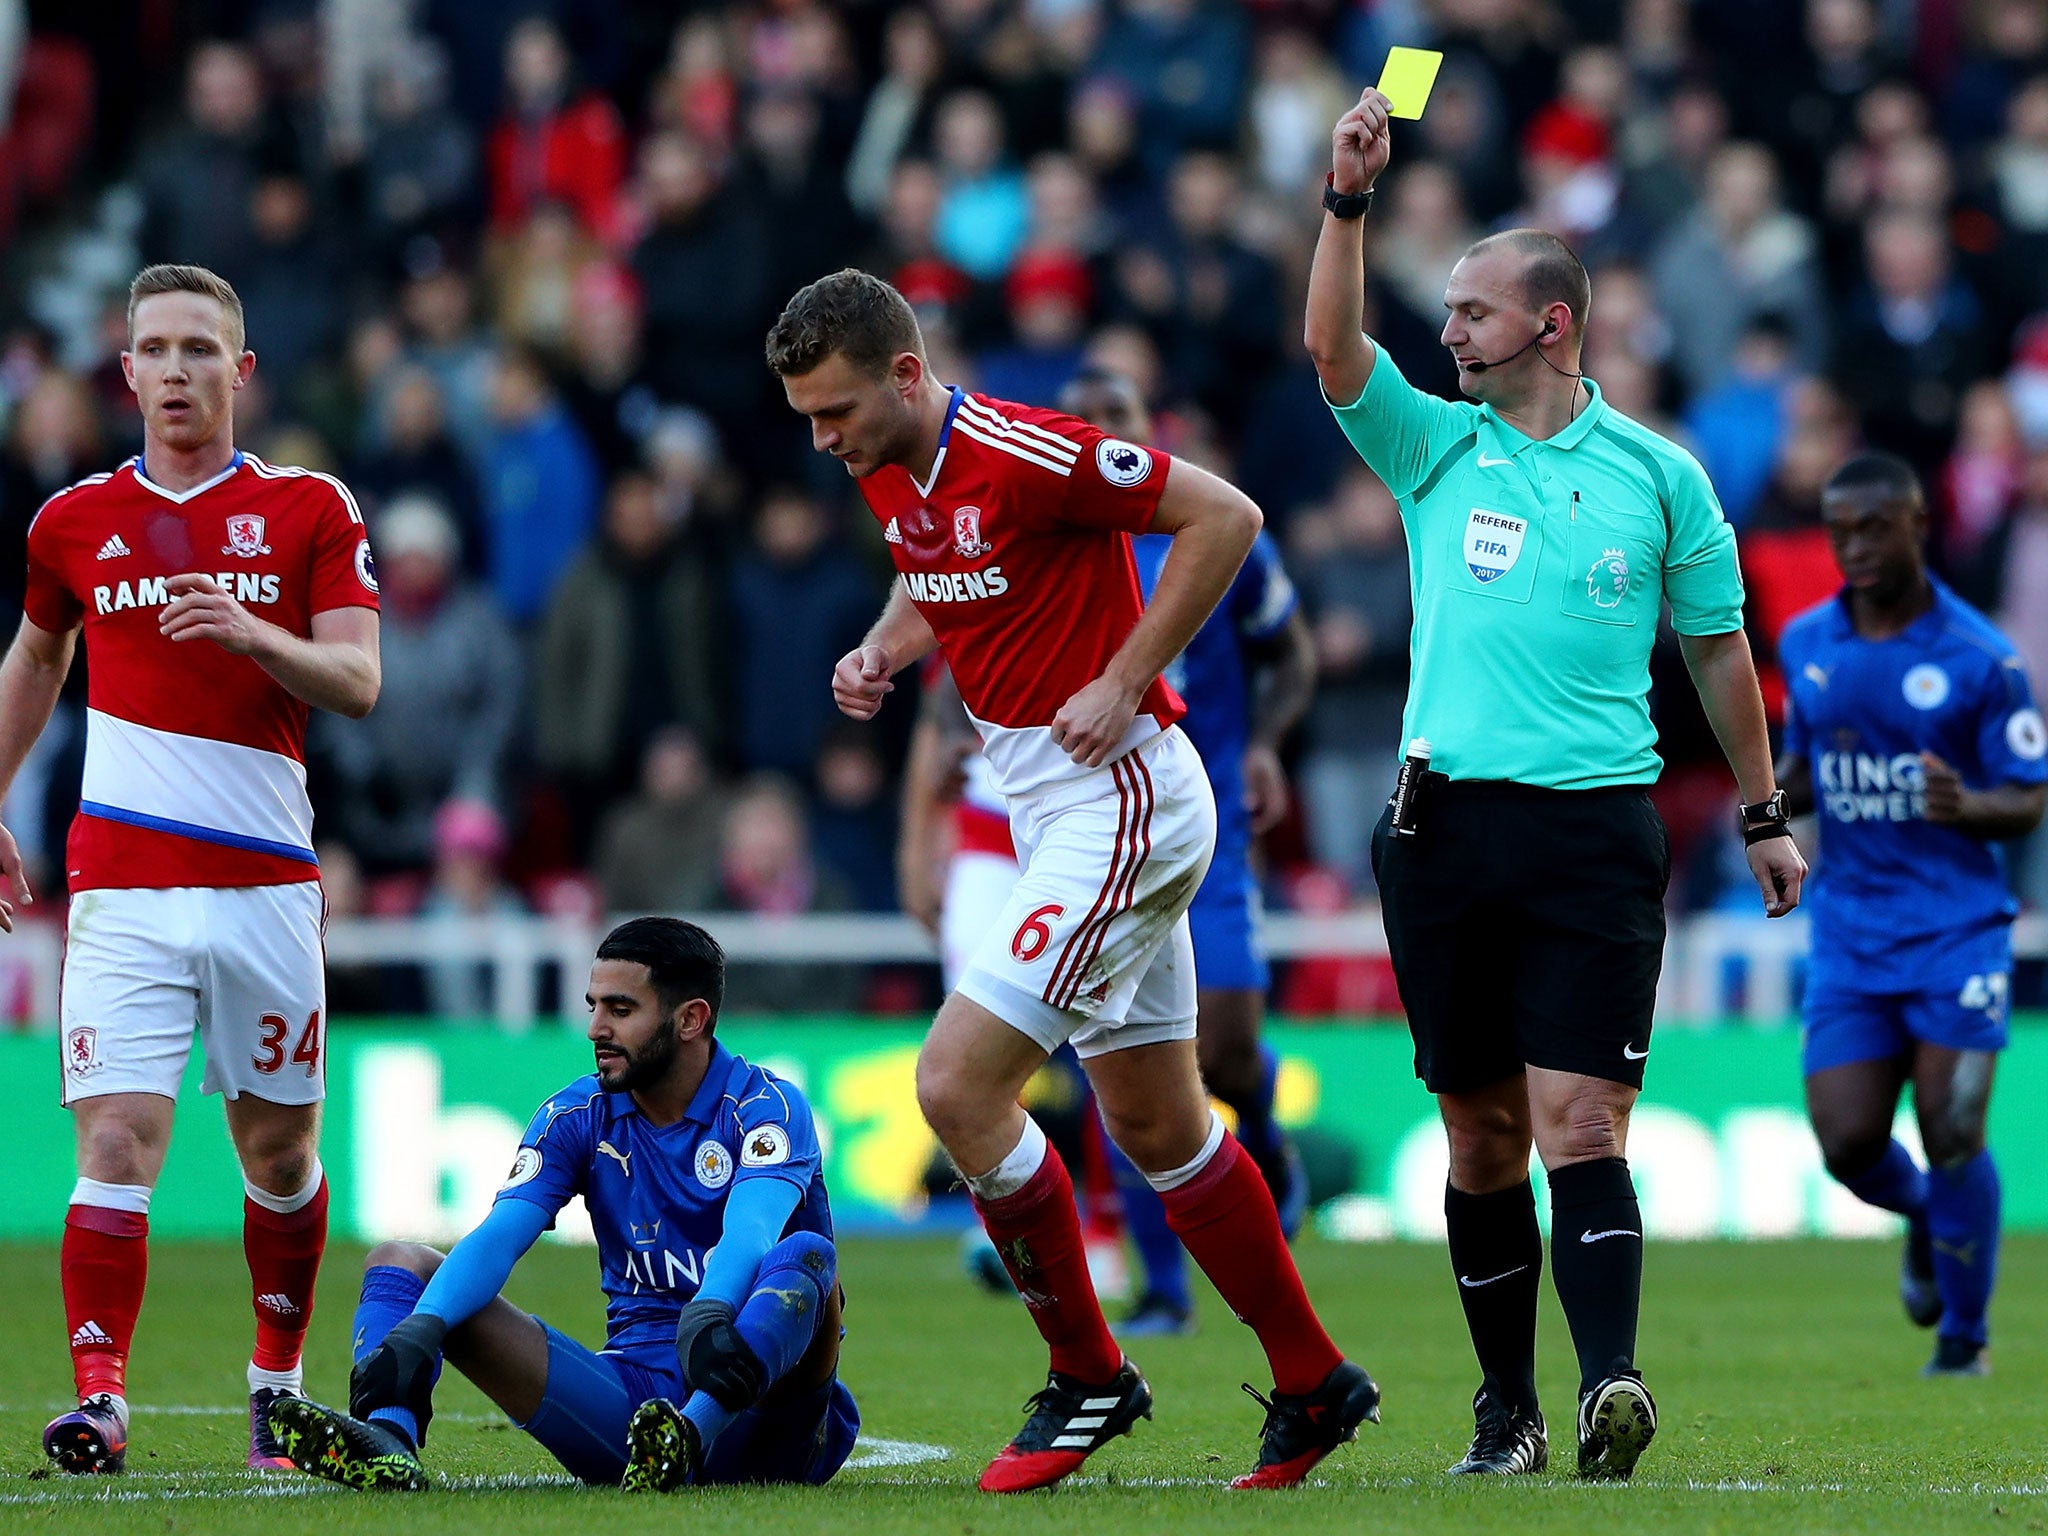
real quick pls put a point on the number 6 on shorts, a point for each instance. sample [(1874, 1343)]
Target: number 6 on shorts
[(1033, 935)]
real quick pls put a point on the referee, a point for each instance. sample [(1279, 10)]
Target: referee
[(1523, 891)]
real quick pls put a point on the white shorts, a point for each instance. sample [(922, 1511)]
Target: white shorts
[(1092, 946), (244, 964), (977, 887)]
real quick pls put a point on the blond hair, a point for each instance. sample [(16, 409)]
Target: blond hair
[(166, 278)]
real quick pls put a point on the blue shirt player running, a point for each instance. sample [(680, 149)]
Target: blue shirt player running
[(701, 1177), (1247, 676), (1912, 732)]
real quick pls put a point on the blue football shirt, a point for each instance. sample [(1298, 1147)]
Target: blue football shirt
[(656, 1194), (1896, 899), (1214, 673)]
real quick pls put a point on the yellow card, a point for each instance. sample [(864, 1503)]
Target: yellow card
[(1407, 79)]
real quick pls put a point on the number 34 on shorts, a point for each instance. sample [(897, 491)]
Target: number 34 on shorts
[(241, 966)]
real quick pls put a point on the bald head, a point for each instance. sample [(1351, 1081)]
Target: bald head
[(1550, 271)]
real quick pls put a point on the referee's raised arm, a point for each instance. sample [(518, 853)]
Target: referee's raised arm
[(1335, 334)]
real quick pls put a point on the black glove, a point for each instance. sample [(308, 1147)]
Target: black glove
[(715, 1359), (399, 1373)]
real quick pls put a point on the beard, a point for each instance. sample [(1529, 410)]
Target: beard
[(643, 1067)]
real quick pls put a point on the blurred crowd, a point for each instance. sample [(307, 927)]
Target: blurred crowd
[(508, 264)]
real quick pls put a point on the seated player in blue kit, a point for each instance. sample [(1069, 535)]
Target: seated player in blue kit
[(714, 1238), (1911, 731)]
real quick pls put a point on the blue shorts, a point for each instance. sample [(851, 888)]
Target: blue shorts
[(590, 1397), (1843, 1025), (1224, 923)]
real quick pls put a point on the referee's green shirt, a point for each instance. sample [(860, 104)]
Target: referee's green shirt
[(1539, 570)]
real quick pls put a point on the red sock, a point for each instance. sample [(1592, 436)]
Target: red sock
[(104, 1264), (284, 1258), (1225, 1216), (1038, 1233)]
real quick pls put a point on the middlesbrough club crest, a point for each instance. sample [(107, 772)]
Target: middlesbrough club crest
[(967, 539), (245, 536), (82, 1051)]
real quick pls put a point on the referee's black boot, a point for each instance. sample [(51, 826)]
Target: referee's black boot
[(1617, 1422), (1506, 1440)]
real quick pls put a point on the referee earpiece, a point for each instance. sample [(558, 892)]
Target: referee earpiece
[(1549, 329)]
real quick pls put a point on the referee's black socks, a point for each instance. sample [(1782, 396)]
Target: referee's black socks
[(1497, 1256), (1596, 1258)]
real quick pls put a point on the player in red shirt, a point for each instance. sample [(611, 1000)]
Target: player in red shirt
[(1010, 529), (220, 599)]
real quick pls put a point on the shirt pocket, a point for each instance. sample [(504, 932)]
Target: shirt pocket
[(1494, 552), (1614, 557)]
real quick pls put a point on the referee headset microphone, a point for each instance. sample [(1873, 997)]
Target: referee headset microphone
[(1480, 364)]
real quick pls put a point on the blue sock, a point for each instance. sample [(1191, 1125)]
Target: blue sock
[(779, 1319), (1160, 1254), (1257, 1131), (1962, 1217), (1893, 1183), (389, 1294)]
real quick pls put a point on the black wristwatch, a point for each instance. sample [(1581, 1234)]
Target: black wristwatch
[(1764, 820), (1345, 205)]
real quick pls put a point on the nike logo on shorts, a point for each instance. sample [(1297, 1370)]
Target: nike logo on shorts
[(1474, 1285), (1595, 1237), (1630, 1053)]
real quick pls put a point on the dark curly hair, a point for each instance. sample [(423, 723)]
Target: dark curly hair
[(851, 312)]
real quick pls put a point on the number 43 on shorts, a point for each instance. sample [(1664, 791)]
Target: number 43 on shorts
[(271, 1057), (1984, 993)]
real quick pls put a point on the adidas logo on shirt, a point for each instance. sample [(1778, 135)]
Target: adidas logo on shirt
[(891, 534), (113, 549), (90, 1335), (278, 1302)]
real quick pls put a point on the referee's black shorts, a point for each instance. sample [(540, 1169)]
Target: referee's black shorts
[(1526, 927)]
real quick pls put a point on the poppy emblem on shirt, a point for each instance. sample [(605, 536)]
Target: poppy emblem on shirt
[(245, 536), (967, 539), (714, 1165), (1607, 581), (926, 535)]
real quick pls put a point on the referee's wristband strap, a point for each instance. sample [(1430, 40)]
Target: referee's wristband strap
[(1344, 205)]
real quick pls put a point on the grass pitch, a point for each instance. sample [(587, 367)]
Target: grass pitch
[(1785, 1374)]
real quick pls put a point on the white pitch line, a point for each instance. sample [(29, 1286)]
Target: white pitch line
[(871, 1451)]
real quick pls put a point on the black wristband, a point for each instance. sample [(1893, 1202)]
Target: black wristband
[(1764, 820), (1344, 205)]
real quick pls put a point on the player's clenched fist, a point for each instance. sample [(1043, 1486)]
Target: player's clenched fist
[(200, 610), (1093, 721), (860, 682), (1359, 145), (1942, 791)]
